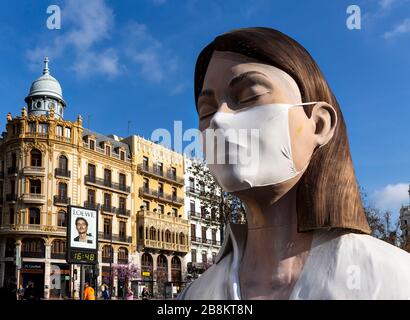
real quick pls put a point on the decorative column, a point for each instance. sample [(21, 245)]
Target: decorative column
[(18, 260), (47, 269)]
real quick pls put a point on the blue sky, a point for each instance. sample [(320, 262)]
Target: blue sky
[(133, 60)]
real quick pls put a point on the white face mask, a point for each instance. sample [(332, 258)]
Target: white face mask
[(259, 134)]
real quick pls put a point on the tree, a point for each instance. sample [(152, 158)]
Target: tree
[(127, 272), (224, 206)]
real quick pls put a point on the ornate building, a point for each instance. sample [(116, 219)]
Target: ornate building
[(404, 225), (47, 163)]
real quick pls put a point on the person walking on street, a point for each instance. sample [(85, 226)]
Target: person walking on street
[(105, 293), (145, 294), (20, 292), (89, 293)]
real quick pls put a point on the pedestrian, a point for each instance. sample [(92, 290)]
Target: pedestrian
[(130, 294), (105, 293), (29, 293), (20, 292), (145, 294), (89, 293)]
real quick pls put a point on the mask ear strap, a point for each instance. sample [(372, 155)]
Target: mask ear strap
[(306, 104)]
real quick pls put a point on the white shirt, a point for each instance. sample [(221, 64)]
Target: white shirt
[(340, 265)]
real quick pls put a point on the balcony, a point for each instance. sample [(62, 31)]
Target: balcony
[(156, 172), (108, 209), (60, 256), (91, 205), (115, 237), (163, 245), (107, 260), (123, 212), (62, 173), (62, 138), (36, 171), (144, 214), (216, 243), (34, 229), (12, 171), (34, 198), (113, 186), (196, 239), (32, 254), (11, 197), (61, 201), (122, 261), (206, 241), (161, 196)]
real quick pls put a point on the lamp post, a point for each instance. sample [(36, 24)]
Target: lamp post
[(111, 258)]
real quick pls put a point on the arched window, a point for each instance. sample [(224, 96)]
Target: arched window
[(62, 190), (10, 247), (35, 186), (175, 270), (162, 262), (141, 232), (63, 163), (58, 249), (122, 255), (34, 214), (62, 219), (167, 236), (181, 238), (146, 266), (35, 156), (32, 248), (152, 233), (106, 254)]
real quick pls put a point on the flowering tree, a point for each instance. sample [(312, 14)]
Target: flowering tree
[(126, 271)]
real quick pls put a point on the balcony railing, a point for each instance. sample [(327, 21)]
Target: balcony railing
[(107, 260), (58, 172), (196, 239), (123, 212), (160, 173), (30, 254), (206, 241), (58, 200), (115, 237), (106, 184), (11, 197), (216, 243), (34, 228), (122, 261), (33, 198), (91, 205), (164, 245), (161, 196), (34, 170), (162, 216), (12, 170), (62, 138), (61, 256), (107, 208)]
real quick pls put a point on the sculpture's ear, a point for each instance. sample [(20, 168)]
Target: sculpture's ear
[(324, 118)]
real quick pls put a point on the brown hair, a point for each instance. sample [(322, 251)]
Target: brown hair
[(327, 194)]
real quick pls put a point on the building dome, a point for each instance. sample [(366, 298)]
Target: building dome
[(46, 85), (45, 95)]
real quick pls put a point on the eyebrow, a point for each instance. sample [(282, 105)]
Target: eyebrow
[(207, 92), (246, 75)]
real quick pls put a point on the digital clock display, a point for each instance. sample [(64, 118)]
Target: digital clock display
[(83, 257)]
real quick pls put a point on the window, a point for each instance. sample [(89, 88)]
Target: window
[(35, 186), (173, 173), (122, 203), (123, 254), (201, 187), (146, 205), (213, 236), (160, 189), (146, 184), (63, 163), (35, 158), (34, 214), (13, 160), (58, 247), (91, 196), (204, 257), (122, 230), (59, 131), (122, 180), (108, 150), (13, 187), (213, 257), (193, 231), (192, 206), (160, 168), (61, 219), (203, 233), (62, 190), (107, 201), (106, 252), (192, 183), (32, 127), (168, 236), (203, 212), (92, 144), (42, 128), (174, 212), (67, 133), (152, 233), (11, 216), (107, 177), (160, 208), (145, 163), (193, 255), (91, 172), (213, 214), (122, 155), (107, 228), (181, 238)]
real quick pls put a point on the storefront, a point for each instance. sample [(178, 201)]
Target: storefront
[(33, 273), (60, 281)]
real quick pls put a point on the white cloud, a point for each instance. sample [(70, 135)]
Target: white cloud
[(400, 29), (391, 197)]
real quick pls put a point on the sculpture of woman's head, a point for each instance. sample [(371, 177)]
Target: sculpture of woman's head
[(260, 78)]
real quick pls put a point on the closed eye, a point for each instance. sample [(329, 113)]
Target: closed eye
[(253, 98)]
